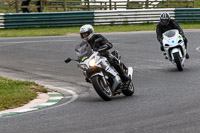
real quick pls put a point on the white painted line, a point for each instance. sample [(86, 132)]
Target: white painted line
[(26, 110), (54, 98), (198, 49), (47, 104), (50, 93)]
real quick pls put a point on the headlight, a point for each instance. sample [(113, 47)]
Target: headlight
[(92, 62)]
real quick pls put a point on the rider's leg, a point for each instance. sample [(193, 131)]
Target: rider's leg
[(115, 63), (186, 43)]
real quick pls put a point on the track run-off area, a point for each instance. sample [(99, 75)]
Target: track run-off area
[(165, 100)]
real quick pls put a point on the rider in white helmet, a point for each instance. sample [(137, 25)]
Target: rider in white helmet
[(165, 24), (97, 41)]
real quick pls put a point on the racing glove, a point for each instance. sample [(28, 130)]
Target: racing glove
[(161, 46)]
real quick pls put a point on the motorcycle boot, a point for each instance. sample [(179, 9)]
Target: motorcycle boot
[(87, 80), (115, 63), (122, 75), (187, 56), (186, 41)]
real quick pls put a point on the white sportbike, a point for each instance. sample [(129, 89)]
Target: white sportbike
[(174, 47)]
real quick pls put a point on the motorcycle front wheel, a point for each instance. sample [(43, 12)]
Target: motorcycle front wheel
[(177, 60), (103, 89)]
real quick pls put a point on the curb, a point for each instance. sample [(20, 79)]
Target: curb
[(54, 97)]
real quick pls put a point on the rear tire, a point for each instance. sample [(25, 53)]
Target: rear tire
[(177, 60), (104, 91)]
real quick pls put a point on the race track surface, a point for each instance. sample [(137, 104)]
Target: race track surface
[(165, 100)]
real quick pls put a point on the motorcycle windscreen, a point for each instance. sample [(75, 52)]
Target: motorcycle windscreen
[(170, 33), (83, 50)]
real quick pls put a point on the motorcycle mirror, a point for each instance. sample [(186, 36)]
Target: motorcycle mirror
[(68, 60)]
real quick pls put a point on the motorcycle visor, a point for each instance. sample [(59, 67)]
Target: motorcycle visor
[(164, 21)]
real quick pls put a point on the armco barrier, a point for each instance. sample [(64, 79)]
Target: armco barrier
[(187, 14), (2, 20), (56, 19), (78, 18)]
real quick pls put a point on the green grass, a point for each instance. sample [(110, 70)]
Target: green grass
[(197, 3), (36, 32), (15, 93), (98, 29)]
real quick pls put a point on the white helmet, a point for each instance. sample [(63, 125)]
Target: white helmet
[(87, 29)]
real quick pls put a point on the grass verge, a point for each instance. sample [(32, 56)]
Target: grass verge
[(98, 29), (14, 93)]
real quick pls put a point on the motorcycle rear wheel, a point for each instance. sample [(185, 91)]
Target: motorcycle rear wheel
[(102, 89), (130, 90)]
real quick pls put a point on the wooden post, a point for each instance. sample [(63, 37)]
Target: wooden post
[(16, 6), (101, 5), (147, 3), (110, 7), (88, 4), (41, 5), (193, 4), (56, 6), (167, 3), (127, 7), (188, 4), (64, 5)]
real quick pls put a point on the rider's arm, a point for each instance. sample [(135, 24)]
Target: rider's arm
[(104, 42), (159, 33), (176, 26)]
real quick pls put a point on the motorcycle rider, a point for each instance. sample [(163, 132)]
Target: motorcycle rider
[(101, 44), (166, 24)]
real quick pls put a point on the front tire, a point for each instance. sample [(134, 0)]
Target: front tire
[(177, 60), (102, 89)]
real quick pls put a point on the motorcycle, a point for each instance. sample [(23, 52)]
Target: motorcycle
[(174, 48), (98, 71)]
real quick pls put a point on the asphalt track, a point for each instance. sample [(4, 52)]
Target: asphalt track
[(165, 100)]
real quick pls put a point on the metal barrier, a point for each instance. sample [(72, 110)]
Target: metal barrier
[(187, 15), (78, 18), (2, 20), (56, 19)]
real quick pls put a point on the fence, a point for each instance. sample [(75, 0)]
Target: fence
[(86, 5), (78, 18)]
